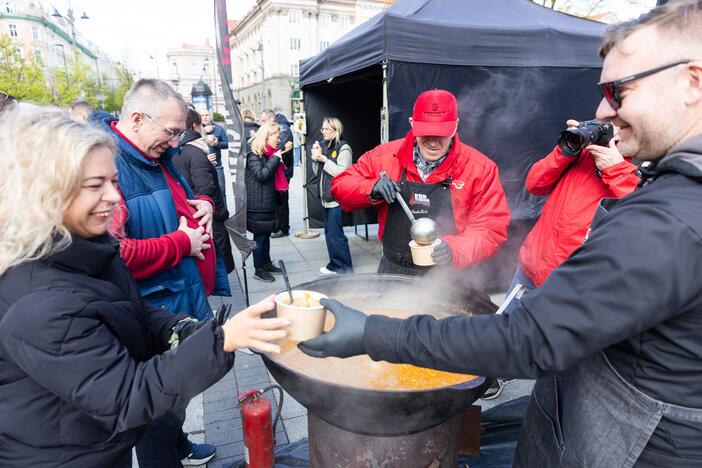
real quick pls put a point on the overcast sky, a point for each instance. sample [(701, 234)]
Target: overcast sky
[(134, 30)]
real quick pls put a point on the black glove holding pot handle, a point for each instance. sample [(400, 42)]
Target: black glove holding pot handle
[(345, 339)]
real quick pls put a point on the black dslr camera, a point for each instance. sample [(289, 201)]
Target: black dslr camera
[(589, 132)]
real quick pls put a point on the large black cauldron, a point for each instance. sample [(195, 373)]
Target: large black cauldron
[(382, 412)]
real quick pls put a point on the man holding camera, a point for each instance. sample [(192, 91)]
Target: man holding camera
[(614, 335), (584, 168)]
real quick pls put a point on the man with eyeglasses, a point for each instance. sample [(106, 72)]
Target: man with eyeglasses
[(614, 335), (166, 238)]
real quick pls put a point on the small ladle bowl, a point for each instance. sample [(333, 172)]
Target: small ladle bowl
[(423, 231)]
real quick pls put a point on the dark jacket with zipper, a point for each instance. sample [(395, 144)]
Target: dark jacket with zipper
[(191, 161), (261, 200), (80, 369), (632, 289)]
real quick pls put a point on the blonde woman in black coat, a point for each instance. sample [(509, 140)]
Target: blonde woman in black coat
[(85, 365)]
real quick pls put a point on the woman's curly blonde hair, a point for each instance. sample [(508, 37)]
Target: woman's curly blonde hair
[(41, 157)]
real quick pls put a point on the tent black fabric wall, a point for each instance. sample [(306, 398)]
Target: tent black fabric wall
[(519, 71), (356, 101)]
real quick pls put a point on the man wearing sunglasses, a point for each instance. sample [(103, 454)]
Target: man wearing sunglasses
[(614, 335), (166, 238)]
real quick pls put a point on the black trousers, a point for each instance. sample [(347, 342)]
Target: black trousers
[(283, 211), (164, 444)]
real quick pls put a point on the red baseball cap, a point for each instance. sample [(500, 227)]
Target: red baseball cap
[(435, 114)]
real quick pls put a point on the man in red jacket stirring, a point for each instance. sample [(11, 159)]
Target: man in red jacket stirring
[(439, 177)]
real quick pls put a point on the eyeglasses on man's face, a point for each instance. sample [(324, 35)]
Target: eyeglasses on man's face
[(612, 92), (173, 134)]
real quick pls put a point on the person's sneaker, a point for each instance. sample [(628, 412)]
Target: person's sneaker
[(271, 268), (494, 391), (278, 234), (263, 275), (326, 271), (199, 454)]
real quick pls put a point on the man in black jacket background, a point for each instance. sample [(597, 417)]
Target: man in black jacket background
[(614, 335)]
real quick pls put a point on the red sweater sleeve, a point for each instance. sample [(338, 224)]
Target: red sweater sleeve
[(148, 257), (544, 174), (620, 179)]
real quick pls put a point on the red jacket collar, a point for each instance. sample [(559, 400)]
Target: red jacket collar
[(405, 155)]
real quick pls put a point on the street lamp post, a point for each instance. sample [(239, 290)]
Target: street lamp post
[(71, 22), (215, 108), (63, 54), (259, 48)]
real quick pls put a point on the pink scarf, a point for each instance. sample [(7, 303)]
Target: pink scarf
[(281, 183)]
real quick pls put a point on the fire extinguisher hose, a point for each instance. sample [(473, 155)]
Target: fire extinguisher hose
[(280, 404)]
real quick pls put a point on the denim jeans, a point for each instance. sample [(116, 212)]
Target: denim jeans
[(262, 252), (221, 182), (519, 278), (164, 443), (337, 243), (296, 155)]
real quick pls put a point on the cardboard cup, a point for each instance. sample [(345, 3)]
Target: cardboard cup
[(421, 254), (305, 322)]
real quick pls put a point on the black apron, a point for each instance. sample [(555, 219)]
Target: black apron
[(424, 200)]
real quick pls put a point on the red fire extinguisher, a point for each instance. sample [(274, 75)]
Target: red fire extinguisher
[(258, 430)]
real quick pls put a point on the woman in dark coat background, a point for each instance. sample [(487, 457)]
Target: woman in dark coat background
[(201, 174), (263, 171), (81, 372)]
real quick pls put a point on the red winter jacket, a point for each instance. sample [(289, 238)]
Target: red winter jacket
[(574, 191), (479, 203)]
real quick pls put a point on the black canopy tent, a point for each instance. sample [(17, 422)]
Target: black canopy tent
[(519, 70)]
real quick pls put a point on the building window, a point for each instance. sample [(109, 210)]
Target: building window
[(13, 30), (35, 33), (294, 16), (8, 8), (37, 57), (344, 22), (294, 43), (295, 69), (323, 45), (324, 21)]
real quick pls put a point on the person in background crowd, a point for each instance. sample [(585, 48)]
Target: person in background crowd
[(263, 177), (166, 240), (250, 127), (438, 176), (299, 130), (332, 158), (614, 334), (81, 110), (285, 146), (217, 141), (85, 364), (193, 164), (7, 102)]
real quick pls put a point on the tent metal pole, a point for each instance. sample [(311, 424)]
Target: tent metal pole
[(384, 114), (304, 233)]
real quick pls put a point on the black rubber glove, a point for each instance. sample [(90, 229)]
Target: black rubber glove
[(345, 339), (385, 188), (184, 329), (222, 314), (442, 254)]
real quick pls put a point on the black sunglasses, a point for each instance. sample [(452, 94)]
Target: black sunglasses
[(611, 91)]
